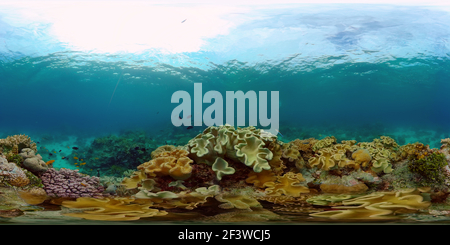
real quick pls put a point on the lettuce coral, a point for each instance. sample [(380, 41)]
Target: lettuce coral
[(246, 145), (260, 179), (17, 141), (221, 168), (174, 163), (378, 205), (288, 184)]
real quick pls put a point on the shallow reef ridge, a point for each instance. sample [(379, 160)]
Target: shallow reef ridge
[(228, 174)]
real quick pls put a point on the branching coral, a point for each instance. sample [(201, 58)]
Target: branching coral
[(18, 142), (111, 209), (174, 163)]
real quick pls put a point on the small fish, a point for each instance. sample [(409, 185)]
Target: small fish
[(54, 151), (59, 150), (96, 158), (83, 184), (98, 173), (81, 160), (76, 163), (68, 147), (50, 154), (279, 132), (136, 148), (75, 148), (143, 149), (50, 162), (83, 163), (77, 166), (63, 158), (183, 21), (37, 142), (75, 158), (190, 127)]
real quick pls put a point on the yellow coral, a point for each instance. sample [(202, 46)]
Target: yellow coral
[(237, 201), (246, 145), (174, 163), (342, 189), (260, 179), (362, 157), (288, 184)]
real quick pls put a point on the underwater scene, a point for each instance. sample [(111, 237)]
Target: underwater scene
[(145, 112)]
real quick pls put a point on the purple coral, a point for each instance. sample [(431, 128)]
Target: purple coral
[(70, 183)]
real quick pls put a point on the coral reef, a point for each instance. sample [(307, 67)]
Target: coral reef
[(127, 151), (71, 184)]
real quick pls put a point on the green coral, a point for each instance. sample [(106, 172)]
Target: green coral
[(430, 167)]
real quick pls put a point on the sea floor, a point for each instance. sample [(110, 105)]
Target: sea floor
[(15, 211)]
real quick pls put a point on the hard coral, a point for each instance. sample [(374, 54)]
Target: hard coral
[(378, 205), (70, 183), (174, 163)]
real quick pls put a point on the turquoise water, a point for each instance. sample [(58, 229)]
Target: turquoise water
[(352, 71)]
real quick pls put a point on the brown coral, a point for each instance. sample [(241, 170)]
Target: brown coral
[(362, 157), (33, 196), (288, 184)]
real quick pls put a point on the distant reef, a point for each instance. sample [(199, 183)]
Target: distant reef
[(227, 170)]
